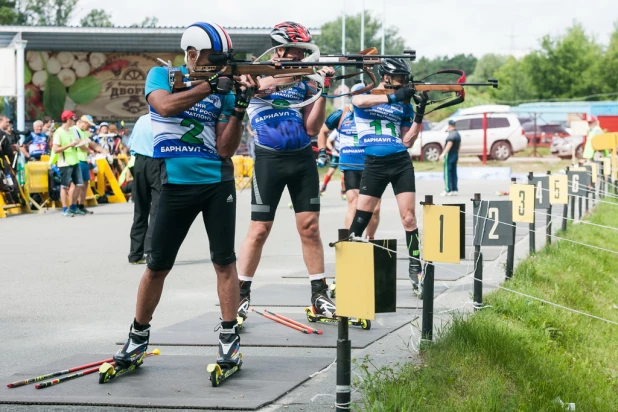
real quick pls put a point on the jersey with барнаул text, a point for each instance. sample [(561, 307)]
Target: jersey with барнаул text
[(351, 155), (187, 141), (280, 128), (379, 127)]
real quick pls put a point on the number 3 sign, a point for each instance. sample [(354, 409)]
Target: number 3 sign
[(441, 227), (522, 197)]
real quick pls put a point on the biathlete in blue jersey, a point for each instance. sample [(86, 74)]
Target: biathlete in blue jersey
[(351, 159), (196, 132), (385, 130), (284, 157), (332, 143)]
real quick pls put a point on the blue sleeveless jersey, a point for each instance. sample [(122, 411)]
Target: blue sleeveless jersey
[(351, 155), (187, 141), (280, 128), (379, 127)]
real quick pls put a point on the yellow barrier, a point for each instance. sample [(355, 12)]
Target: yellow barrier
[(105, 173), (243, 171)]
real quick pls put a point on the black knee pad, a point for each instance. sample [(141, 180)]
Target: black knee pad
[(223, 259), (157, 264)]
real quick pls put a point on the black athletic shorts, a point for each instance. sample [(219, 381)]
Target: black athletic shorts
[(352, 179), (178, 207), (273, 170), (395, 169)]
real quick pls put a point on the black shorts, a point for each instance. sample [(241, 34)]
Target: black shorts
[(273, 170), (352, 179), (395, 169), (70, 174), (178, 207)]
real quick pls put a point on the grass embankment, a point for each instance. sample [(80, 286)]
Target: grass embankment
[(520, 354)]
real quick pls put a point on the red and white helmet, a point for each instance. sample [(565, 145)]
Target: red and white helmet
[(206, 36), (290, 32), (592, 119)]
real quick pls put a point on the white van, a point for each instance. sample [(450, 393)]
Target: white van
[(504, 137)]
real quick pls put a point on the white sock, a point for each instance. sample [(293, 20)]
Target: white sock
[(317, 277), (245, 278)]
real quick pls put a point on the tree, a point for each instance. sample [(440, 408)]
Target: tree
[(330, 39), (486, 67), (566, 67), (10, 13), (97, 18), (150, 21), (609, 74), (48, 12), (425, 66), (515, 83)]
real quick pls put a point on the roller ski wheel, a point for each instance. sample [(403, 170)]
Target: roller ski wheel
[(240, 320), (109, 372), (332, 289), (219, 373), (365, 324)]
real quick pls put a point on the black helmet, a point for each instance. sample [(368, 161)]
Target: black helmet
[(394, 66)]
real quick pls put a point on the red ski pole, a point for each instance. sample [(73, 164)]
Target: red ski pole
[(82, 373), (281, 321), (309, 329), (59, 373)]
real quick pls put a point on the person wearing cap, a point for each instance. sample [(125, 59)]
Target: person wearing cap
[(594, 129), (83, 149), (450, 155), (64, 142)]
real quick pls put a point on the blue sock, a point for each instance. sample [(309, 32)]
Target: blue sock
[(73, 207), (64, 209)]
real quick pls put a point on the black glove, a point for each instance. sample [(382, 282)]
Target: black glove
[(220, 85), (243, 97), (421, 101), (403, 93)]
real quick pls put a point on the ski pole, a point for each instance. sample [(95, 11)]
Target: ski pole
[(54, 374), (83, 373), (309, 329), (281, 321)]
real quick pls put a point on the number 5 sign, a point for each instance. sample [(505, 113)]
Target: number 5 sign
[(441, 227), (558, 190), (522, 197)]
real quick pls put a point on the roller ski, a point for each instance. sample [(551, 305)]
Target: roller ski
[(416, 277), (130, 356), (322, 309), (229, 360)]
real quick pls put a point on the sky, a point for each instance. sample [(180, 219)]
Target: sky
[(432, 27)]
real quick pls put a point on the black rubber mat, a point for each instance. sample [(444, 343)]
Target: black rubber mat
[(259, 331), (171, 381)]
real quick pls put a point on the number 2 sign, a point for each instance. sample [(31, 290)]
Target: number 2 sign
[(441, 237), (493, 223)]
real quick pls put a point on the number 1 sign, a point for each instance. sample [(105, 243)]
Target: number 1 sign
[(493, 222), (441, 227)]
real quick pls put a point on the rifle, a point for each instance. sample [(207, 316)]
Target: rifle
[(423, 86), (225, 64)]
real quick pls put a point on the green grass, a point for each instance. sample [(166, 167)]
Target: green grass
[(520, 354)]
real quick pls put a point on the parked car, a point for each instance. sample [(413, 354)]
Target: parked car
[(563, 147), (544, 134), (505, 136)]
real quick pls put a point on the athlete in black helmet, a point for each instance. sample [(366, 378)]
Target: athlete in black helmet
[(385, 130)]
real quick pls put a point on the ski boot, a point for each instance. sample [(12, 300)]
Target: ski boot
[(130, 356), (416, 277), (229, 360), (323, 309), (245, 302)]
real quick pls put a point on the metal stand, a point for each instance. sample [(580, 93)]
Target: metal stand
[(344, 356)]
